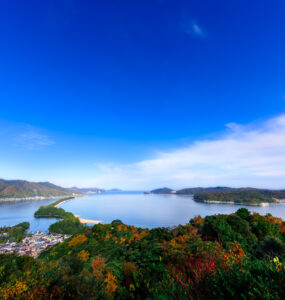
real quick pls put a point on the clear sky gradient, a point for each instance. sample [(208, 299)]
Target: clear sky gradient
[(141, 94)]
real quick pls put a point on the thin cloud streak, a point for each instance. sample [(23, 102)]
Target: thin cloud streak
[(194, 29), (23, 136), (32, 139), (245, 155), (197, 30)]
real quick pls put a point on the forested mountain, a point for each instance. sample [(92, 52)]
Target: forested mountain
[(88, 190), (23, 189), (190, 191)]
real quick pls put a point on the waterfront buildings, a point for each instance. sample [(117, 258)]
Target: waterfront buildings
[(33, 245)]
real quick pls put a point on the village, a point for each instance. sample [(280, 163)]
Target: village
[(33, 245)]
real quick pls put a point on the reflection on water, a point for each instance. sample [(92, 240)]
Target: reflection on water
[(15, 212), (153, 210), (133, 208)]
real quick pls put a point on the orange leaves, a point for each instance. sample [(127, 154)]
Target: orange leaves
[(98, 267), (122, 227), (102, 274), (17, 291), (179, 241), (269, 218), (236, 254), (274, 220), (181, 244), (108, 236), (133, 229), (97, 263), (83, 255), (197, 220), (122, 240), (77, 240), (138, 236), (119, 234), (111, 284)]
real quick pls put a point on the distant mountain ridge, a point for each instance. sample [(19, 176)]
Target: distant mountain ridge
[(27, 189), (164, 190), (114, 190), (198, 190), (190, 191), (88, 190)]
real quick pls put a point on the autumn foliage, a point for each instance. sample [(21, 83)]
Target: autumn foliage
[(77, 240), (236, 256)]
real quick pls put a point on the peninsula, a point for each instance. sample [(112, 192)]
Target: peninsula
[(69, 223)]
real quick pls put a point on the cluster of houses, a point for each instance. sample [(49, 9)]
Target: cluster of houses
[(33, 245)]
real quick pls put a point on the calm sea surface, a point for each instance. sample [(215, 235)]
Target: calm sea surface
[(132, 208), (152, 210), (15, 212)]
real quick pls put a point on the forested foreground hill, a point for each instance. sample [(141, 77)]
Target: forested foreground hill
[(25, 189), (236, 256)]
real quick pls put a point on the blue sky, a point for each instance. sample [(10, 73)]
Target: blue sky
[(124, 93)]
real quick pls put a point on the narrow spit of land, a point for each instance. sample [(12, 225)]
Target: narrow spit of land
[(87, 221), (54, 211), (62, 201)]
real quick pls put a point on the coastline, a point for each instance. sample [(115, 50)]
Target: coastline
[(81, 220), (61, 202), (37, 197), (238, 203), (86, 221)]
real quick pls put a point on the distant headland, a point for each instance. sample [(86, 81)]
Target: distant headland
[(17, 190), (228, 195), (26, 190)]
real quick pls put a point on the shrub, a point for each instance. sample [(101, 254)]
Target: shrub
[(270, 246), (117, 222), (243, 213)]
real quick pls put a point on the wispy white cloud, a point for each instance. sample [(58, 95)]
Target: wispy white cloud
[(197, 29), (244, 155), (23, 136), (194, 29), (33, 139)]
